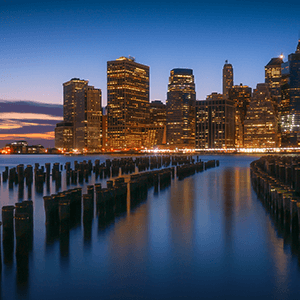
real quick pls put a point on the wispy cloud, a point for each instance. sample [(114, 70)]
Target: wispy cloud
[(15, 124), (28, 116), (31, 121), (44, 136)]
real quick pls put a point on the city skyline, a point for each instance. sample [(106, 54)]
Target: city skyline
[(45, 44)]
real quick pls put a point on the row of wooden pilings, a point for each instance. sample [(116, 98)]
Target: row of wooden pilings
[(65, 210), (83, 170), (276, 180), (190, 169), (17, 223)]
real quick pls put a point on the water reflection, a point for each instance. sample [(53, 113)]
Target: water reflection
[(228, 188), (64, 244), (205, 235)]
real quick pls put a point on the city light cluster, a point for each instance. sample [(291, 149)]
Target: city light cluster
[(239, 120)]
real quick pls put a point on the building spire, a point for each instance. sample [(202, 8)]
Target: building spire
[(298, 47)]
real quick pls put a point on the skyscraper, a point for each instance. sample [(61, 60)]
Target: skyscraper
[(82, 117), (227, 78), (260, 125), (241, 96), (88, 133), (127, 103), (215, 122), (71, 88), (289, 108), (181, 100), (273, 78)]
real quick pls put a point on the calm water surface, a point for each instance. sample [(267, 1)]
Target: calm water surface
[(205, 237)]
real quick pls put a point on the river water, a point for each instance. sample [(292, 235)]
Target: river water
[(204, 237)]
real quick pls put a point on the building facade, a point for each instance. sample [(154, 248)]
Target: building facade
[(181, 100), (260, 126), (227, 78), (241, 97), (88, 133), (215, 122), (81, 128), (64, 135), (127, 103), (289, 109), (273, 78), (71, 88), (158, 118)]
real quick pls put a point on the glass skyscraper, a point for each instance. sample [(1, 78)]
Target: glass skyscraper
[(181, 99), (289, 108)]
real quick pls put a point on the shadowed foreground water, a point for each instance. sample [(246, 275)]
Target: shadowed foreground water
[(205, 237)]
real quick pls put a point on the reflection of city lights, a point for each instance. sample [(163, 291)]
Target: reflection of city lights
[(224, 150)]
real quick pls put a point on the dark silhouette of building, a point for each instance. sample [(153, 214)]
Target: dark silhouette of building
[(289, 108), (215, 122), (158, 118), (181, 100), (127, 103), (22, 147), (260, 125), (227, 78), (158, 113), (241, 96)]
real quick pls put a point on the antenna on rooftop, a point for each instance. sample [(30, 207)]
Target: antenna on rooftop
[(131, 57)]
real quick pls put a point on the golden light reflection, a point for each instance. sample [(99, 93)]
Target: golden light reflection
[(279, 256)]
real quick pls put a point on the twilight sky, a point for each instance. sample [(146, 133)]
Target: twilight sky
[(46, 43)]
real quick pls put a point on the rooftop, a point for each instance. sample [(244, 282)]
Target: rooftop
[(276, 61)]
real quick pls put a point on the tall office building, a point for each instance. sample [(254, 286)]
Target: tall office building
[(88, 133), (273, 78), (127, 103), (71, 88), (81, 128), (158, 118), (260, 126), (227, 78), (215, 122), (181, 101), (241, 96), (289, 109)]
